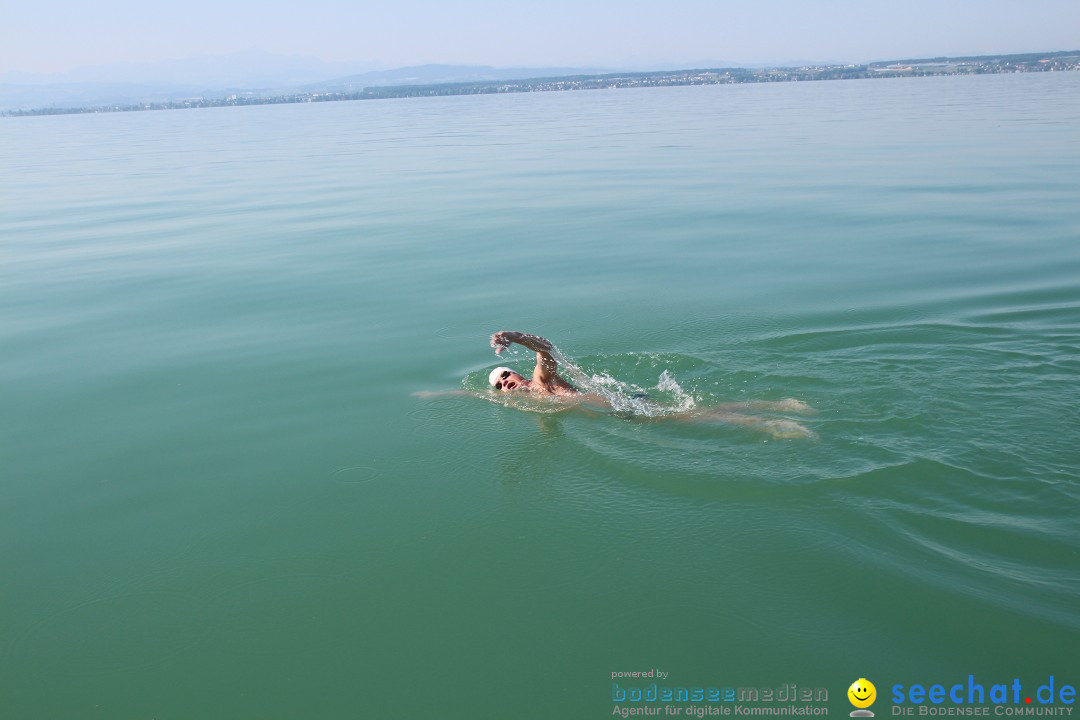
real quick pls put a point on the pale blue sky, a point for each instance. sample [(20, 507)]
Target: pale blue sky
[(58, 35)]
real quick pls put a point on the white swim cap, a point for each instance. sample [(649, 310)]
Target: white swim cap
[(493, 376)]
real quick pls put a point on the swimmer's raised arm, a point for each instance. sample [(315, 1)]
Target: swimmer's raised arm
[(503, 338), (546, 367)]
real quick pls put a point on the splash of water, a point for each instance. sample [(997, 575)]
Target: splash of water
[(684, 401), (627, 397)]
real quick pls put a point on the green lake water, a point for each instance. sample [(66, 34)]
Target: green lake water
[(221, 497)]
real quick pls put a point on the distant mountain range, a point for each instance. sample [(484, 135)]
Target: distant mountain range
[(436, 74), (261, 78), (250, 73)]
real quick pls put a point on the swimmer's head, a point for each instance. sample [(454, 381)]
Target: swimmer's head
[(503, 378)]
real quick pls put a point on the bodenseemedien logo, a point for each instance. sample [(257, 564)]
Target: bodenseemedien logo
[(862, 695)]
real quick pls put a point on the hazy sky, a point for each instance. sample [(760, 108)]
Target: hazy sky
[(58, 35)]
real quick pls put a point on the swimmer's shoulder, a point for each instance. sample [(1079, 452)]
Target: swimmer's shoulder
[(557, 386)]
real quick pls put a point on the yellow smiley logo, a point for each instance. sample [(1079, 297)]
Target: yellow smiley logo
[(862, 693)]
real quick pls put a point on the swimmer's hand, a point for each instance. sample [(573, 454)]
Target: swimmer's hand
[(500, 342)]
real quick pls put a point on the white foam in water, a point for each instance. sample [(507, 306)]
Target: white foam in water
[(626, 397), (683, 400)]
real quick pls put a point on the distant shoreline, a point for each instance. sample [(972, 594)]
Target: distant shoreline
[(1062, 61)]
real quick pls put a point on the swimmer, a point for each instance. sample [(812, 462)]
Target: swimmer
[(547, 381), (545, 376)]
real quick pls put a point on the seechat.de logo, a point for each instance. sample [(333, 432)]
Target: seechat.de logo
[(862, 695)]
